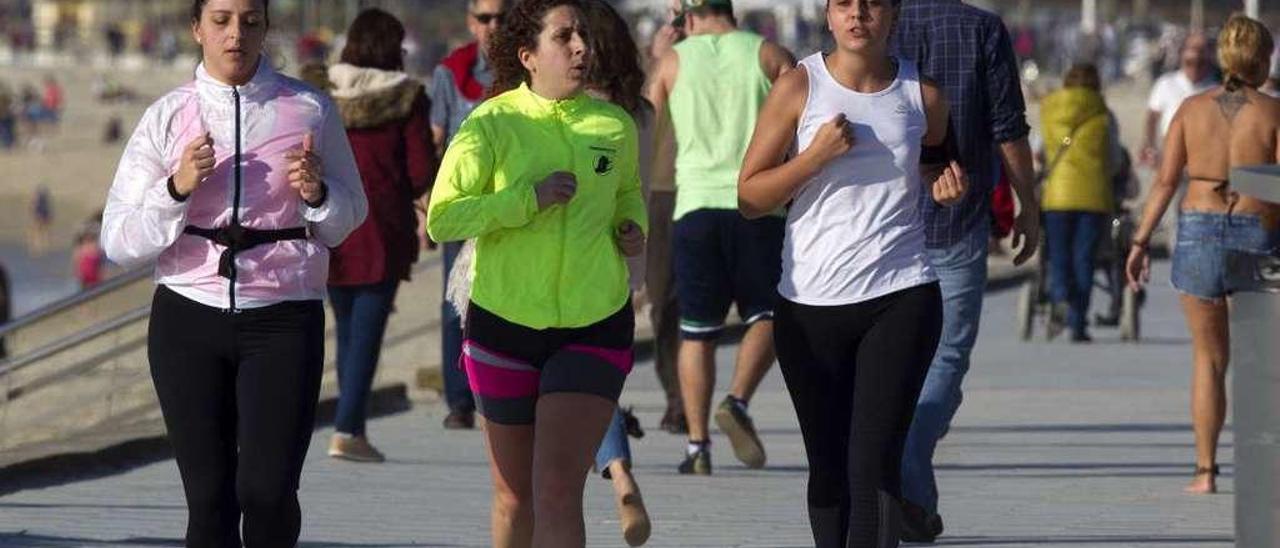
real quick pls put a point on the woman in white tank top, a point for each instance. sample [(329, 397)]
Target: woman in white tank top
[(859, 299)]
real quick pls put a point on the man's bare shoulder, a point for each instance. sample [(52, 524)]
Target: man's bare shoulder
[(775, 60), (668, 65)]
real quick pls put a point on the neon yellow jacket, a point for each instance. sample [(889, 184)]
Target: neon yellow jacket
[(1080, 181), (559, 267)]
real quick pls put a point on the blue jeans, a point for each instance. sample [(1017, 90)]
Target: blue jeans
[(615, 445), (962, 272), (457, 391), (361, 314), (1072, 239), (7, 134)]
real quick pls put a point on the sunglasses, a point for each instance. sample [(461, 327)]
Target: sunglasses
[(486, 18)]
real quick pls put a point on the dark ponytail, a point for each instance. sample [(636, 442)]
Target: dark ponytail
[(615, 58), (374, 41), (197, 9)]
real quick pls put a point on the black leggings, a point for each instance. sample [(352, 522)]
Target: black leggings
[(854, 373), (238, 392)]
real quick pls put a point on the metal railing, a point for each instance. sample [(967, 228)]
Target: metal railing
[(15, 363), (99, 371), (62, 305), (104, 328)]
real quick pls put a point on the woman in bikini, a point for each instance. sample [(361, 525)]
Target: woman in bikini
[(1232, 125)]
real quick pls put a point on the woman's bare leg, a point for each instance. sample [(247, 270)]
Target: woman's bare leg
[(569, 429), (632, 513), (1210, 340), (511, 466)]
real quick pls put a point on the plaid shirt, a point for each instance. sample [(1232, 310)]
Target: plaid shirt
[(967, 51)]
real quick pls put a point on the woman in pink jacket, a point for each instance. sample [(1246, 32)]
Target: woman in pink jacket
[(236, 185)]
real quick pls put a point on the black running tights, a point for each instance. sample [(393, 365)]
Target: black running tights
[(854, 373), (238, 392)]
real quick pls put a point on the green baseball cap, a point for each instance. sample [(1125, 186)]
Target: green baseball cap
[(686, 5)]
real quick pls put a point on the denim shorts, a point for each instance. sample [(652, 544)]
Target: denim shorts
[(1206, 245)]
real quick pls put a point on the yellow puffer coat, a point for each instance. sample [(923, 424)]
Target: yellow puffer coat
[(1081, 180)]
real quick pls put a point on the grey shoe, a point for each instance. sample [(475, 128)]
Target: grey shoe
[(736, 424), (1057, 320), (354, 448)]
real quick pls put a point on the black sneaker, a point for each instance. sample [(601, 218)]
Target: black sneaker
[(699, 463), (736, 424), (1106, 320), (918, 524), (460, 420), (631, 423), (1081, 337)]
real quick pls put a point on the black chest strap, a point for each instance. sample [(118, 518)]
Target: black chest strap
[(237, 238)]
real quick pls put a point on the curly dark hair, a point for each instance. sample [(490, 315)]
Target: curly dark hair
[(615, 58), (197, 9), (374, 41), (519, 30)]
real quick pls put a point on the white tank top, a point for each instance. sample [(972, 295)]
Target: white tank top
[(855, 230)]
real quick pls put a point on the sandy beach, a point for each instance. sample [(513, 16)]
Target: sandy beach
[(72, 160)]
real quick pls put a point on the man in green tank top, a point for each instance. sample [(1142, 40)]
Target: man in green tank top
[(712, 85)]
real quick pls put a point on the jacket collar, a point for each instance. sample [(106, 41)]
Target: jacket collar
[(257, 87), (537, 104)]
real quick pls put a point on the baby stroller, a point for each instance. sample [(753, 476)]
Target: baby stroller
[(1124, 306)]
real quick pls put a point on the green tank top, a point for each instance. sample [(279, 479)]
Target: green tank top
[(714, 105)]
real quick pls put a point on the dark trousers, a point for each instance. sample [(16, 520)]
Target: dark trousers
[(457, 391), (854, 373), (360, 312), (7, 134), (238, 392), (664, 314), (1072, 238)]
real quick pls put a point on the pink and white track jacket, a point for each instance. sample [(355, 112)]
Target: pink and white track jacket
[(253, 126)]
